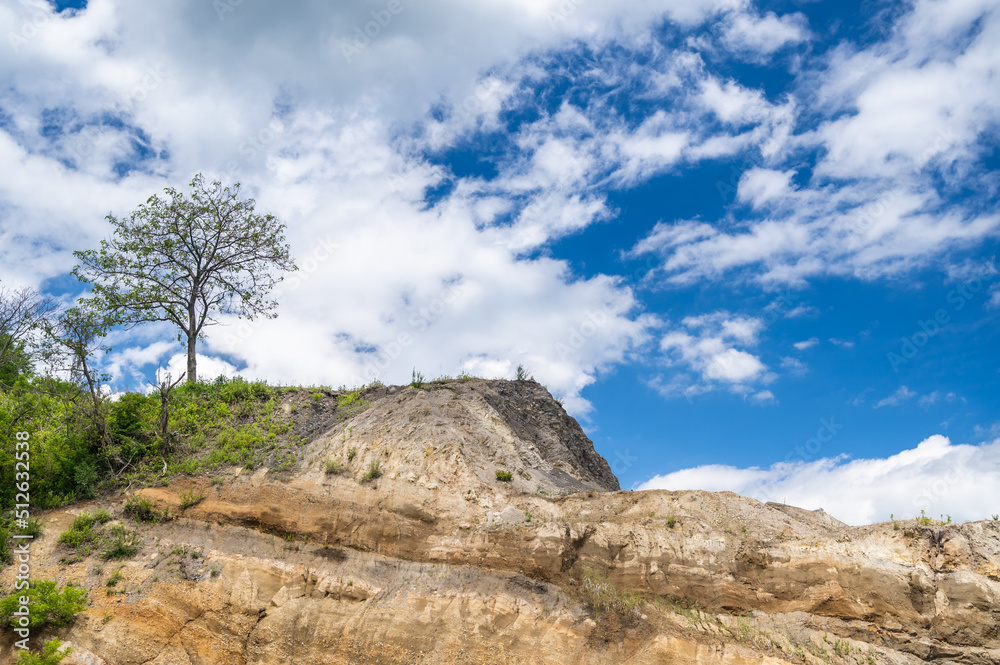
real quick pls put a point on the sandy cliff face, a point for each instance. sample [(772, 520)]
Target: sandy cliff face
[(438, 562)]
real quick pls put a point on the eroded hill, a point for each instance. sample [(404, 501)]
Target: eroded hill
[(384, 535)]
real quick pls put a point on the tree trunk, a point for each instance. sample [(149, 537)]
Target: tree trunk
[(192, 371)]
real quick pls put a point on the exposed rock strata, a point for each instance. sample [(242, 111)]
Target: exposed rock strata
[(437, 562)]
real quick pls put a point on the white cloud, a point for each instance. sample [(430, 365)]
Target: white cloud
[(806, 344), (707, 345), (794, 366), (935, 397), (759, 186), (994, 301), (907, 122), (902, 395), (941, 478), (761, 36), (844, 343)]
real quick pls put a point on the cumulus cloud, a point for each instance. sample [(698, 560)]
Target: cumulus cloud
[(937, 477), (759, 36), (710, 345), (806, 344)]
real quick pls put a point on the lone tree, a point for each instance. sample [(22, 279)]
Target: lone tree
[(185, 259)]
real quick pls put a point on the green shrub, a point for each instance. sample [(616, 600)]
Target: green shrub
[(142, 509), (504, 476), (190, 499), (347, 399), (333, 467), (521, 374), (671, 521), (351, 452), (50, 654), (85, 478), (417, 380), (82, 534), (6, 554), (32, 527), (121, 543), (373, 472), (49, 606)]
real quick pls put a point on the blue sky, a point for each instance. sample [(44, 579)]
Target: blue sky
[(751, 246)]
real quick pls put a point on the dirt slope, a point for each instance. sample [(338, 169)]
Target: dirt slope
[(438, 562)]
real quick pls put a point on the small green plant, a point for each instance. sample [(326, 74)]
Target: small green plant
[(143, 510), (32, 527), (190, 499), (600, 596), (316, 397), (841, 647), (373, 472), (84, 532), (49, 606), (215, 569), (333, 467), (996, 518), (417, 379), (671, 521), (504, 476), (121, 543), (521, 374), (49, 655), (351, 452), (115, 578), (347, 399)]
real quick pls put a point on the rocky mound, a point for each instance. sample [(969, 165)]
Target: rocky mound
[(458, 434), (436, 561)]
